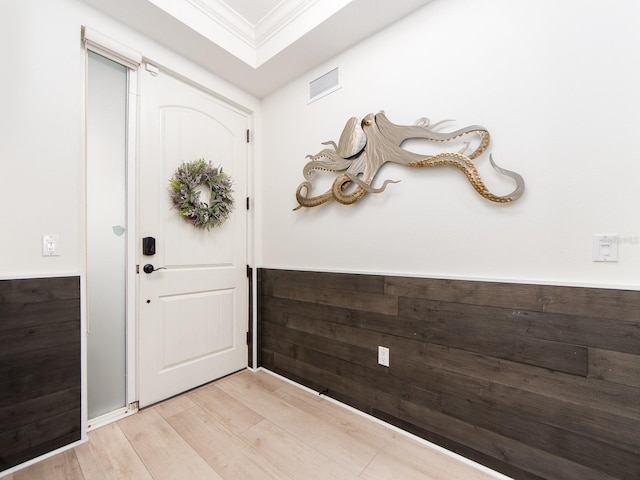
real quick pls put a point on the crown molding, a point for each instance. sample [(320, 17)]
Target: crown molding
[(275, 21), (226, 17), (256, 44)]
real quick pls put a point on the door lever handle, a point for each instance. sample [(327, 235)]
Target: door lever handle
[(148, 268)]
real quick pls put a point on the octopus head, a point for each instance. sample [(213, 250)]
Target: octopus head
[(368, 120)]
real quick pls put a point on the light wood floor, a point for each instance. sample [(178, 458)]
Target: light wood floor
[(250, 425)]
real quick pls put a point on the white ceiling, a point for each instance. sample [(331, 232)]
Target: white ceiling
[(258, 45)]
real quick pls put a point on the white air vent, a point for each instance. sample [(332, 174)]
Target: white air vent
[(324, 85)]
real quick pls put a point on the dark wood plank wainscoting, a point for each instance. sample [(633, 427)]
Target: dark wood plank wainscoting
[(39, 367), (534, 381)]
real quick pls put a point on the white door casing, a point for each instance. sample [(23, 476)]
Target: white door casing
[(193, 314)]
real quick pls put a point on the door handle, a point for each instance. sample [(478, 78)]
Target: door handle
[(148, 268)]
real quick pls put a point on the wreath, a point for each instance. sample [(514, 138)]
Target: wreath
[(185, 194)]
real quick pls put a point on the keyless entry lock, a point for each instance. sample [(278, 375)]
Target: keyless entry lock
[(148, 246)]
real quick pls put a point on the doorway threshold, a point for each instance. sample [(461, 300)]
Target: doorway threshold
[(111, 417)]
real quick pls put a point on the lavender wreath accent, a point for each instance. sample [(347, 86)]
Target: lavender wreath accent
[(186, 198)]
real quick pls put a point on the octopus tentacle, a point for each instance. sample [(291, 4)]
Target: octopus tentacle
[(306, 200), (367, 186), (339, 186), (310, 168), (464, 164), (517, 193), (397, 134), (424, 122)]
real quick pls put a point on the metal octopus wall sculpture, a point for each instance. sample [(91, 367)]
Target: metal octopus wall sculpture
[(366, 145)]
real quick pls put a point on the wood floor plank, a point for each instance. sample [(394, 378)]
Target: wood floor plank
[(293, 457), (266, 382), (166, 455), (228, 411), (384, 467), (429, 462), (326, 438), (230, 456), (109, 455), (175, 405), (63, 466)]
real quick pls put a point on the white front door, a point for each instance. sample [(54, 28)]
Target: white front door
[(193, 313)]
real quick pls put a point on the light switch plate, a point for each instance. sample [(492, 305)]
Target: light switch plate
[(605, 248), (50, 245)]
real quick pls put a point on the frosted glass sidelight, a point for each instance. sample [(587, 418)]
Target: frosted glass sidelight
[(106, 235)]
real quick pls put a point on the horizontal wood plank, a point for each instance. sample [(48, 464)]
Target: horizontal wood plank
[(560, 442), (583, 391), (599, 422), (336, 281), (520, 454), (34, 290), (369, 302), (491, 331), (20, 315), (612, 333), (16, 415), (35, 364), (614, 367), (38, 337), (593, 302), (32, 440), (525, 297), (395, 325)]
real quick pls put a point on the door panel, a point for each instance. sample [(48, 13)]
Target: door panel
[(193, 314), (189, 328)]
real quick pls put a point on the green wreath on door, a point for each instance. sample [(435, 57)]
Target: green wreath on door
[(185, 194)]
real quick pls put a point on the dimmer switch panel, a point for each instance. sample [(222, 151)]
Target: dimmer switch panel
[(605, 248)]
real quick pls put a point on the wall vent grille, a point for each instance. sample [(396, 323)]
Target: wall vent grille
[(324, 85)]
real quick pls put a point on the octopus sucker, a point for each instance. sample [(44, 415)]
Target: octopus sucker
[(463, 164), (306, 201), (338, 188), (366, 145)]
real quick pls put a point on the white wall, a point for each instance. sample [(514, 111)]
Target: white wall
[(42, 127), (557, 86), (554, 82)]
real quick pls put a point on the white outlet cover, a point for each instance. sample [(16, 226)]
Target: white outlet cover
[(383, 356)]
